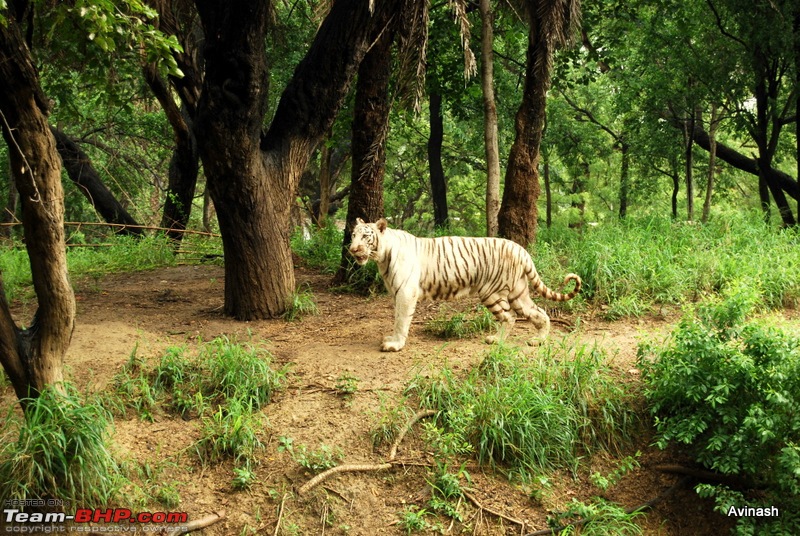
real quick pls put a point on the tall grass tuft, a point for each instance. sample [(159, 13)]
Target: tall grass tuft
[(532, 412), (59, 451), (239, 372)]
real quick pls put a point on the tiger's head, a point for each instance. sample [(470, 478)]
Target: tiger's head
[(365, 240)]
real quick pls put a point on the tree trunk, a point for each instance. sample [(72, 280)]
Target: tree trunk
[(490, 138), (175, 18), (252, 177), (10, 211), (548, 195), (436, 169), (34, 357), (368, 147), (712, 162), (82, 173), (689, 167), (624, 179), (517, 219), (676, 188), (184, 165), (324, 185)]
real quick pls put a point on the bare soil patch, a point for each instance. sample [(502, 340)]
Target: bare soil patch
[(150, 311)]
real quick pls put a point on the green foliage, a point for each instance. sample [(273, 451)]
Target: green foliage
[(413, 520), (239, 372), (314, 460), (531, 412), (625, 466), (322, 250), (729, 388), (59, 451), (224, 372), (635, 264), (462, 324), (346, 385), (231, 431), (603, 518), (301, 303), (244, 478)]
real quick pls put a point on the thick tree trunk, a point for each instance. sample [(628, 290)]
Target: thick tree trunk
[(370, 128), (82, 173), (435, 167), (490, 137), (517, 219), (34, 357)]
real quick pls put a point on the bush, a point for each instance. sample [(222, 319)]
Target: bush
[(60, 452), (729, 388), (531, 412)]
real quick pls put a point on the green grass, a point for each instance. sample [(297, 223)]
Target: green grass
[(301, 303), (59, 451), (637, 263), (116, 254), (459, 325), (531, 413), (222, 372), (323, 250)]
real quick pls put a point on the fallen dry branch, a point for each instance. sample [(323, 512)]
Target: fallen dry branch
[(644, 506), (402, 433), (347, 468), (367, 467), (492, 511), (198, 524)]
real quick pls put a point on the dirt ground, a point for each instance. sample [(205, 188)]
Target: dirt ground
[(176, 306)]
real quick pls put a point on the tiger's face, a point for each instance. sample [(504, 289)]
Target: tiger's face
[(364, 240)]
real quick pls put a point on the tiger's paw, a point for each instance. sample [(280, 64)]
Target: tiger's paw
[(392, 344), (491, 339)]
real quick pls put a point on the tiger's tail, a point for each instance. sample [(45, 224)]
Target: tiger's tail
[(542, 289)]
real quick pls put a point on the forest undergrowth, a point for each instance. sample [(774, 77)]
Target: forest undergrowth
[(725, 376)]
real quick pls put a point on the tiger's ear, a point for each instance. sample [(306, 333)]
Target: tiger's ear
[(359, 221), (381, 224)]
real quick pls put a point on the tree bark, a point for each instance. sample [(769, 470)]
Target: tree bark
[(517, 219), (34, 357), (82, 173), (689, 166), (624, 179), (548, 195), (184, 165), (324, 185), (368, 146), (252, 177), (712, 162), (435, 167), (490, 137)]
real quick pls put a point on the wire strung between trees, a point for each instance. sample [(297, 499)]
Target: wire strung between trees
[(126, 226)]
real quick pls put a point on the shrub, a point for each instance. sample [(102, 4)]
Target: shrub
[(60, 451), (531, 412), (729, 388)]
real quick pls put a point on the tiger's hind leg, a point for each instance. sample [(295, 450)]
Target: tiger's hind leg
[(525, 308), (501, 310)]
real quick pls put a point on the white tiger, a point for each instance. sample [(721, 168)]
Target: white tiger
[(494, 269)]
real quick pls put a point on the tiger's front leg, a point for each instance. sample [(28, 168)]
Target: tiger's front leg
[(405, 303)]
